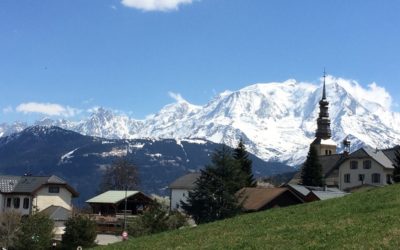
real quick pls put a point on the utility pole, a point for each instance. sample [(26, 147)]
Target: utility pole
[(126, 207)]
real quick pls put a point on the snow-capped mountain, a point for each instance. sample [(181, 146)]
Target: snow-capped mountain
[(276, 120)]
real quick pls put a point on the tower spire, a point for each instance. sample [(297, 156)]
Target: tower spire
[(324, 88), (323, 121)]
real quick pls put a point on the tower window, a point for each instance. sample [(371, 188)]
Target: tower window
[(353, 164), (367, 164), (347, 178)]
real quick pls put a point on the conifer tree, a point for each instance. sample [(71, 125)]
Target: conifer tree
[(240, 154), (311, 174), (36, 232), (213, 198), (396, 165)]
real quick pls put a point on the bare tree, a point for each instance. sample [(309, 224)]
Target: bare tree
[(121, 175), (9, 225)]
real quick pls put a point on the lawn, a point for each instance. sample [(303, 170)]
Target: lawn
[(367, 220)]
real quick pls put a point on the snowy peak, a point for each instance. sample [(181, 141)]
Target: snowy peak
[(276, 120)]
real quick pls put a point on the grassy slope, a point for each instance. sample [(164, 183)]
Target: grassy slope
[(359, 221)]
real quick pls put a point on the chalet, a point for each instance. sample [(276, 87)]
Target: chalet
[(45, 194), (258, 199), (27, 193), (112, 203), (180, 189), (109, 208)]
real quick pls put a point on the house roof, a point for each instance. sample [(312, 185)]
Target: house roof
[(330, 163), (114, 196), (57, 213), (8, 183), (253, 199), (391, 153), (299, 189), (325, 195), (185, 182), (378, 155), (31, 184)]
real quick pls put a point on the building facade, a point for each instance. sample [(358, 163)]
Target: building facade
[(26, 194), (180, 189)]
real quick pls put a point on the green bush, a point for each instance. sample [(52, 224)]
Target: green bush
[(36, 232), (176, 220), (79, 231), (155, 220)]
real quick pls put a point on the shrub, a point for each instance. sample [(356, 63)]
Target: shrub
[(155, 220), (36, 232), (176, 220), (9, 224), (79, 231)]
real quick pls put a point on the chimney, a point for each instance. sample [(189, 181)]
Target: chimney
[(346, 146)]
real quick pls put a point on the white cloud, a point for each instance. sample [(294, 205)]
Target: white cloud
[(50, 109), (372, 93), (8, 109), (176, 96), (155, 5)]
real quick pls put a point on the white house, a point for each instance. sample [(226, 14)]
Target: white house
[(26, 194), (366, 166), (180, 189)]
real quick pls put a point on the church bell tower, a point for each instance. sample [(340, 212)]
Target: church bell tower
[(323, 142)]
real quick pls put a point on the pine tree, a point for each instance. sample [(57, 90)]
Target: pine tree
[(396, 165), (311, 174), (213, 198), (240, 154)]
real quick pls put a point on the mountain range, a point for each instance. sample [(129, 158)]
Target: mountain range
[(277, 121), (81, 160)]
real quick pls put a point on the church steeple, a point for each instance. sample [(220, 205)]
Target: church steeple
[(323, 121), (324, 88)]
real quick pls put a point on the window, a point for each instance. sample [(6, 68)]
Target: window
[(353, 164), (26, 203), (376, 178), (54, 190), (347, 178), (361, 177), (388, 179), (367, 164), (16, 202), (8, 202)]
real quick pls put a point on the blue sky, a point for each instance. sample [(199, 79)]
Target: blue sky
[(129, 54)]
